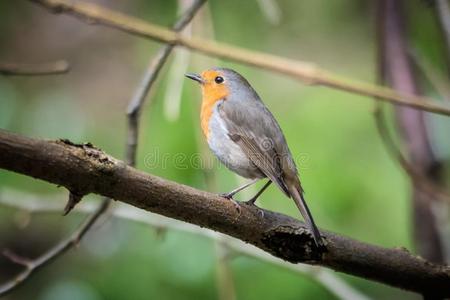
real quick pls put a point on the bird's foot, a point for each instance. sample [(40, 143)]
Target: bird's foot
[(229, 196), (251, 202)]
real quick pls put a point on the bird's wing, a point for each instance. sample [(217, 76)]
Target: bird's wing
[(258, 135)]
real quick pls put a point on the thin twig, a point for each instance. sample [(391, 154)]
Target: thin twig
[(435, 77), (416, 177), (305, 72), (50, 68), (136, 104), (23, 261), (33, 265), (147, 81), (179, 65), (326, 278)]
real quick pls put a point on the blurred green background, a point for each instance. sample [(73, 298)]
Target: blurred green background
[(353, 187)]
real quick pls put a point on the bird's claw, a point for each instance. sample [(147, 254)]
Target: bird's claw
[(250, 202), (230, 198)]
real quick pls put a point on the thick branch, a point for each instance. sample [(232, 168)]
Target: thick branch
[(89, 170), (300, 70), (327, 278), (133, 117)]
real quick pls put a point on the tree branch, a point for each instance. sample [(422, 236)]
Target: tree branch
[(327, 278), (32, 265), (418, 178), (51, 68), (148, 79), (87, 169), (131, 145), (296, 69)]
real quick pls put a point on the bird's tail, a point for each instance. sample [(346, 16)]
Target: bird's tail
[(297, 195)]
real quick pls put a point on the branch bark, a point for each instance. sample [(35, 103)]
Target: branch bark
[(327, 278), (87, 169), (132, 137), (303, 71), (149, 78)]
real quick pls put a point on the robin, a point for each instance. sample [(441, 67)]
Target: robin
[(246, 138)]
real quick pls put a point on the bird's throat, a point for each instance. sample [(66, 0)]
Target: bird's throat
[(210, 96)]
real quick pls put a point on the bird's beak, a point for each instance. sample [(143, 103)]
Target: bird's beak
[(195, 77)]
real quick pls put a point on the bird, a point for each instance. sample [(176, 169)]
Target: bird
[(245, 136)]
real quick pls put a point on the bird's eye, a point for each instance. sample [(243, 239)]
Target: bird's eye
[(219, 79)]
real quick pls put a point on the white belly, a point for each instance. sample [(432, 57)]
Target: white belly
[(227, 151)]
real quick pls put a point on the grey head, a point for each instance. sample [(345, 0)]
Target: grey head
[(236, 84)]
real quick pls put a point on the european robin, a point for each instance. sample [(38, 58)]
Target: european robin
[(245, 137)]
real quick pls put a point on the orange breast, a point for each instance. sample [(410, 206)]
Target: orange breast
[(211, 93)]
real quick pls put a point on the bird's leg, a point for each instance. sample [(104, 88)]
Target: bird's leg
[(235, 191), (253, 199)]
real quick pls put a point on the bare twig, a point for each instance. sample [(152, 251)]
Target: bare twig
[(437, 80), (74, 198), (89, 170), (328, 279), (32, 265), (51, 68), (415, 175), (179, 65), (300, 70), (23, 261), (149, 78)]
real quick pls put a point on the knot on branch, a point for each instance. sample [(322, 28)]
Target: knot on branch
[(97, 164), (91, 152), (294, 244)]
